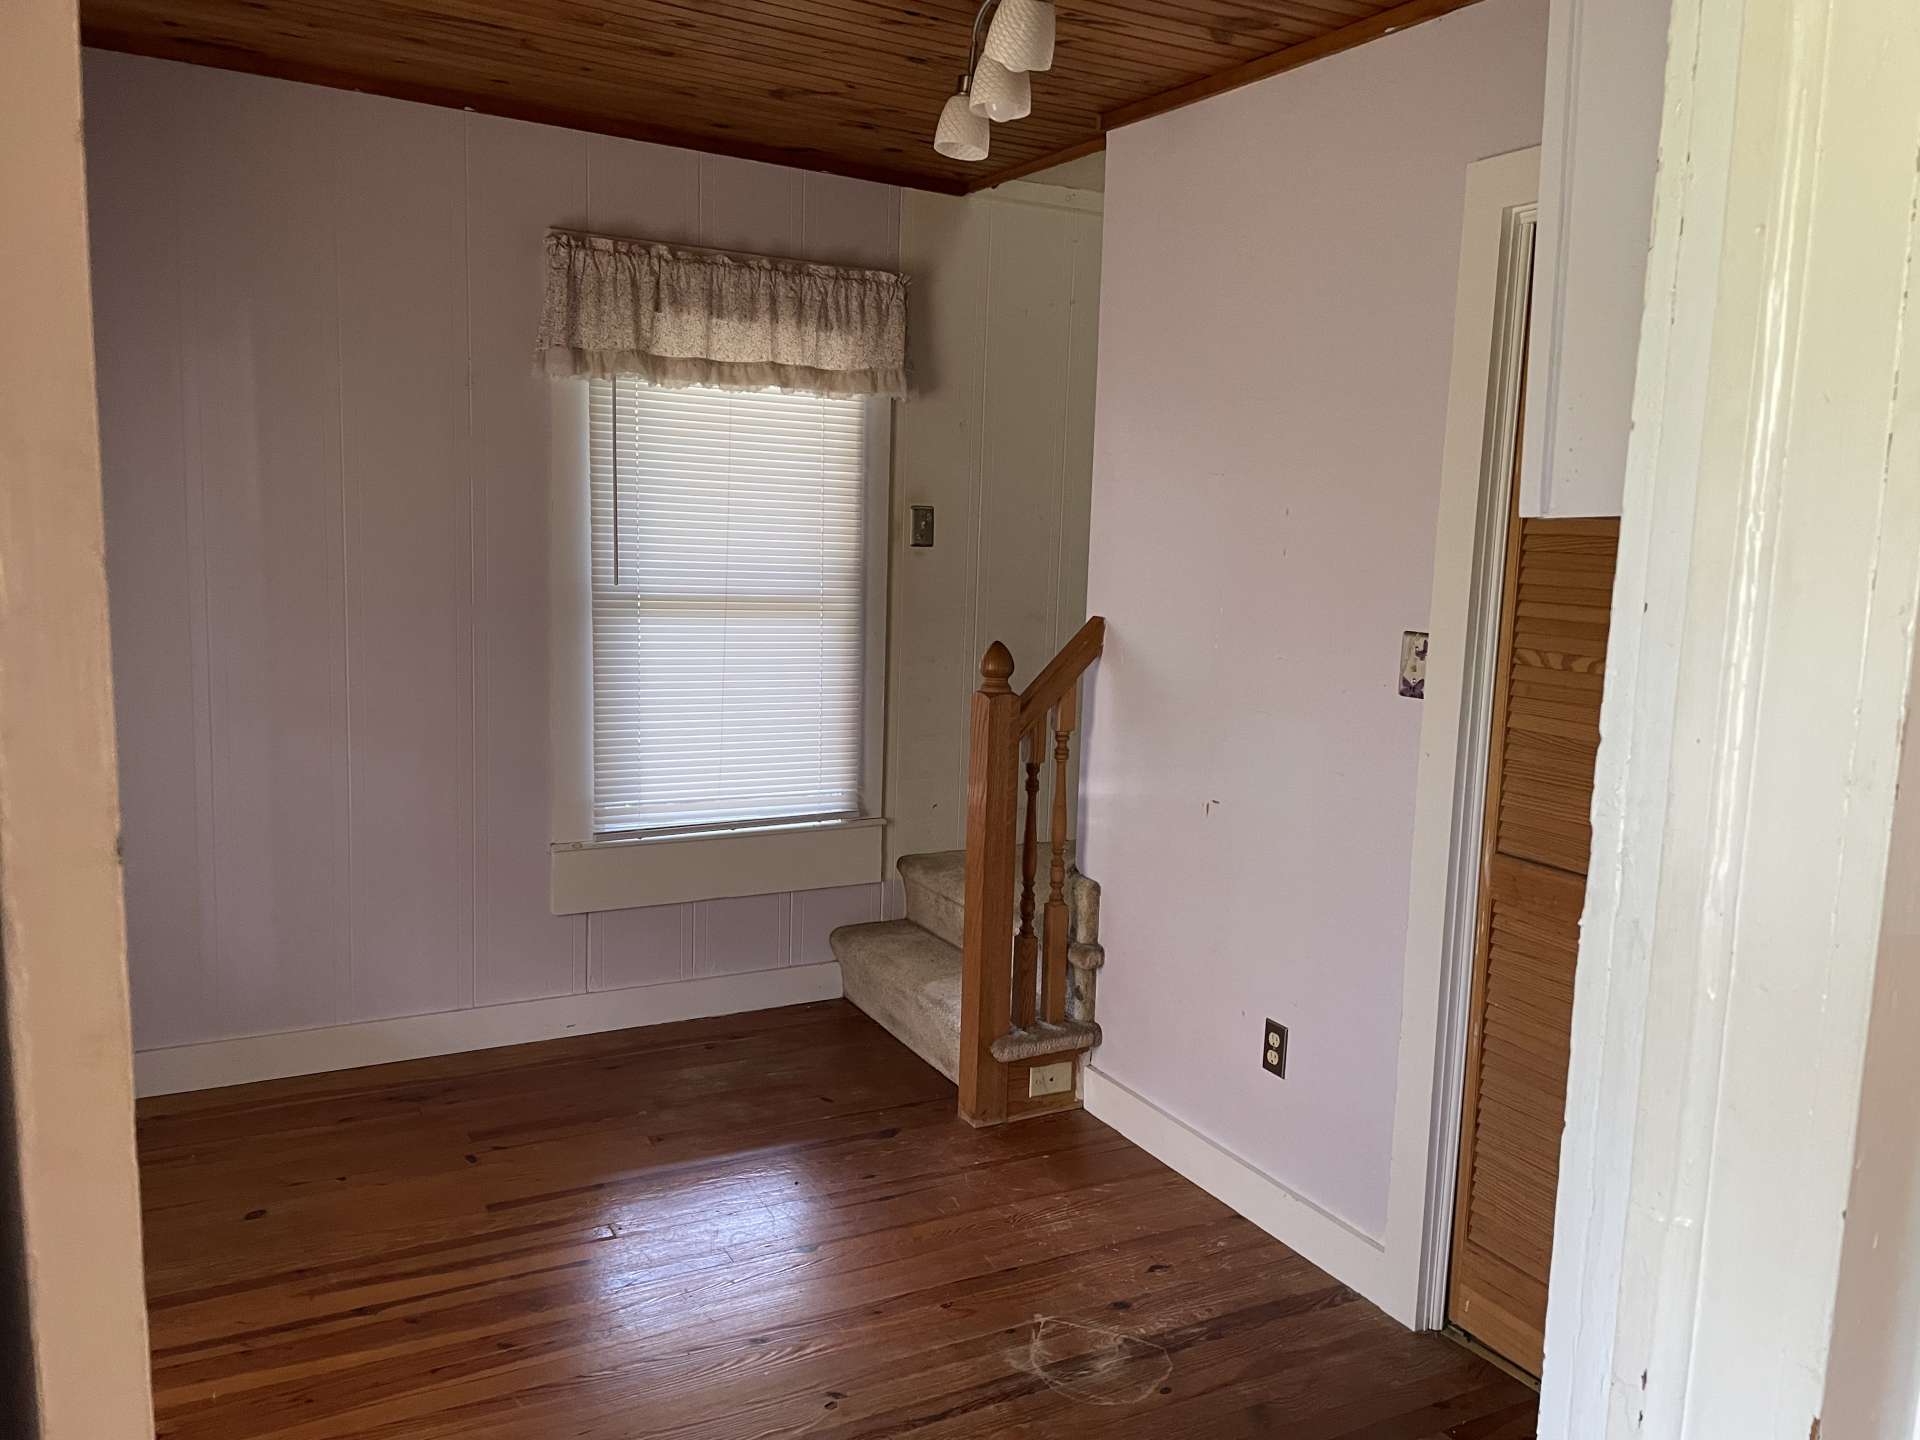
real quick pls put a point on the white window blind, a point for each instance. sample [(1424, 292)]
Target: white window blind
[(728, 598)]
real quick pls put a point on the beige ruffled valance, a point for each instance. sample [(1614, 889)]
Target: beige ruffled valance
[(676, 316)]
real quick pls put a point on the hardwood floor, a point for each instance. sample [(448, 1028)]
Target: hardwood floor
[(764, 1225)]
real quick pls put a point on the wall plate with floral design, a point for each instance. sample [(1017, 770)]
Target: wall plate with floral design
[(1413, 664)]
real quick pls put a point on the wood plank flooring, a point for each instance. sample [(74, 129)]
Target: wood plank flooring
[(758, 1226)]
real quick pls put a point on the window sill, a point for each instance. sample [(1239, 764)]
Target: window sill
[(669, 869)]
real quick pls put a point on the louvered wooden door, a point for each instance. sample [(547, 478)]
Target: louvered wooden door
[(1546, 731)]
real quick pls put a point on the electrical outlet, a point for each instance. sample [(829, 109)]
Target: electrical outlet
[(1050, 1079), (1274, 1056)]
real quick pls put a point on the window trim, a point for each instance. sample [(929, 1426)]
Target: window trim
[(615, 871)]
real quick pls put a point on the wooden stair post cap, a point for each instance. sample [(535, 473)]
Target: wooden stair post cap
[(996, 668)]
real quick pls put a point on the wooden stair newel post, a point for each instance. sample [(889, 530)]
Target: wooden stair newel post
[(986, 973)]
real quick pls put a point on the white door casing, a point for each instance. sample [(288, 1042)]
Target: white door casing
[(1756, 686), (1469, 565)]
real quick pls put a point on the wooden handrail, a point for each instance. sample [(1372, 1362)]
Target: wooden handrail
[(1062, 672), (1014, 984)]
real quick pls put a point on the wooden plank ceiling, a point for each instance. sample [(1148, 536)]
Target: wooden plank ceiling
[(852, 87)]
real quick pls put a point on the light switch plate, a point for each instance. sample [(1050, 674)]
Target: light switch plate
[(1050, 1079), (922, 527), (1413, 664)]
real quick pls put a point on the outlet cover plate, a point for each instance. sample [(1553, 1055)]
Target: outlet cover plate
[(1273, 1057), (1056, 1079)]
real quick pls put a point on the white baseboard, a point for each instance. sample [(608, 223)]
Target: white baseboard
[(1355, 1259), (413, 1037)]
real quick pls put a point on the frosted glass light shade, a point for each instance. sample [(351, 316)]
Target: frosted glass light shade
[(999, 93), (961, 134), (1021, 35)]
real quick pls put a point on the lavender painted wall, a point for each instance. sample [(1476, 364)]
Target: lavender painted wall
[(1275, 336), (326, 469)]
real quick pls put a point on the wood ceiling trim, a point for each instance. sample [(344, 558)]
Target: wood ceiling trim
[(1255, 34), (1374, 27), (1044, 162), (508, 107)]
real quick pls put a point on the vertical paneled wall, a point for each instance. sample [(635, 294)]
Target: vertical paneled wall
[(326, 471), (1006, 297)]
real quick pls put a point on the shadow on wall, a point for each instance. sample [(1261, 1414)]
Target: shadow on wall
[(16, 1352)]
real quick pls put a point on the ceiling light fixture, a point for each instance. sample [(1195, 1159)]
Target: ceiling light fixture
[(961, 134), (999, 93), (996, 86), (1021, 36)]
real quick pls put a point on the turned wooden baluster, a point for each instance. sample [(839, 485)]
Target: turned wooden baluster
[(993, 797), (1066, 718), (1026, 945)]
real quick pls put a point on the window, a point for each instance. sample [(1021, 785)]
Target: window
[(730, 558)]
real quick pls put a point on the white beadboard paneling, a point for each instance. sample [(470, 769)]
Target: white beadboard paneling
[(937, 458), (647, 191), (1024, 478), (1004, 334), (732, 937), (326, 483), (520, 180), (1074, 519), (1083, 363), (1024, 407), (156, 596), (258, 168), (850, 222), (648, 946), (818, 913), (411, 1037), (745, 205), (409, 557)]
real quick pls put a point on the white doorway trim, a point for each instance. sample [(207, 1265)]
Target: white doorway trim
[(74, 1363), (1750, 733), (1489, 345)]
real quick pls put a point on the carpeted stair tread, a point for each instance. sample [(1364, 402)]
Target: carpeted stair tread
[(908, 980), (936, 886)]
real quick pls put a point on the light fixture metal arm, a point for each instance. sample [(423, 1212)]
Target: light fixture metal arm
[(973, 45)]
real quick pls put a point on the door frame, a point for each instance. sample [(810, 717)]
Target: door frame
[(72, 1294), (1751, 736), (1484, 396)]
